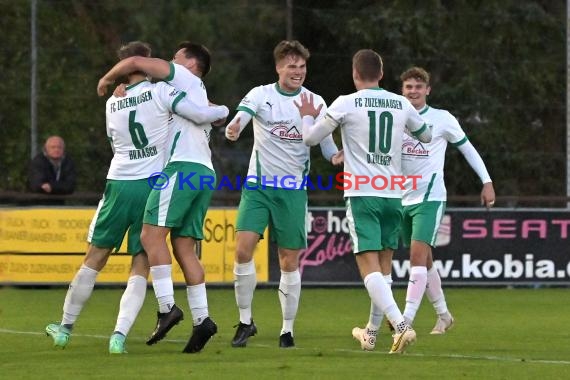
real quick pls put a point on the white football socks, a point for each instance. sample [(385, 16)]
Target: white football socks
[(163, 286), (376, 315), (244, 286), (131, 303), (415, 293), (198, 302), (381, 295), (434, 292), (289, 294), (78, 293)]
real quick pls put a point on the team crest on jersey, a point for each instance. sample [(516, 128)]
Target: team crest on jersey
[(414, 148), (286, 133)]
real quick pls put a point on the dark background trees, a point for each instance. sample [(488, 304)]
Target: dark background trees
[(498, 65)]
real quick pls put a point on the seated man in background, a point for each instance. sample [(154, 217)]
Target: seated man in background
[(52, 171)]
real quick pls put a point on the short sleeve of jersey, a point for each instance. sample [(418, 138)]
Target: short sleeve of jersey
[(414, 121), (453, 131), (168, 96), (251, 102), (337, 111)]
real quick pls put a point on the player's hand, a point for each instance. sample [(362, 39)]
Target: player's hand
[(307, 106), (338, 158), (232, 130), (120, 91), (102, 86), (488, 195), (46, 187)]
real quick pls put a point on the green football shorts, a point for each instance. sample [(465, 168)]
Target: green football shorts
[(421, 222), (120, 209), (374, 222), (283, 210), (183, 203)]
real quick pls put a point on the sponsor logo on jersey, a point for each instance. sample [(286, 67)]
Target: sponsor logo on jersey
[(285, 133), (414, 148)]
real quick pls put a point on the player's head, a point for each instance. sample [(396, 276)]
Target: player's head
[(415, 86), (367, 67), (291, 64), (134, 49), (194, 57)]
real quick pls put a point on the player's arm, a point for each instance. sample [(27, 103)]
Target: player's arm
[(154, 67), (218, 122), (237, 124), (455, 135), (476, 162), (246, 110), (314, 133), (416, 125), (423, 133), (329, 149), (474, 159), (180, 103), (199, 114)]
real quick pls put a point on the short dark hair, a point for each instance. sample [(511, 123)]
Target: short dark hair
[(134, 49), (199, 52), (416, 73), (368, 64), (293, 47)]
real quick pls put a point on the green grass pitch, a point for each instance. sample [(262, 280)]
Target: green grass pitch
[(499, 334)]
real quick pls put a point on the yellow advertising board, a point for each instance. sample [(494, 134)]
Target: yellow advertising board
[(47, 245)]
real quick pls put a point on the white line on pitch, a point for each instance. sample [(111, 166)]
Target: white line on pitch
[(449, 356)]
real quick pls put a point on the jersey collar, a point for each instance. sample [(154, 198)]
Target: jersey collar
[(136, 84), (285, 93), (423, 110)]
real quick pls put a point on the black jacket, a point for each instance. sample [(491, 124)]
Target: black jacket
[(41, 171)]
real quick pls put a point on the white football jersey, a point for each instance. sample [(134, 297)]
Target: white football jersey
[(372, 124), (138, 129), (278, 150), (427, 159), (189, 142)]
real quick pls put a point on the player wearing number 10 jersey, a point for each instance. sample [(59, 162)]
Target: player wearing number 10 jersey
[(372, 123)]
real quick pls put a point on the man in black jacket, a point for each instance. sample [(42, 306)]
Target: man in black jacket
[(52, 172)]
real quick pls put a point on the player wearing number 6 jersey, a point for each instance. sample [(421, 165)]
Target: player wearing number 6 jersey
[(372, 122), (138, 128), (179, 206)]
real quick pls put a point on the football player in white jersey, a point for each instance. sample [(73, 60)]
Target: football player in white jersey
[(424, 206), (180, 205), (372, 122), (274, 194), (138, 128)]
